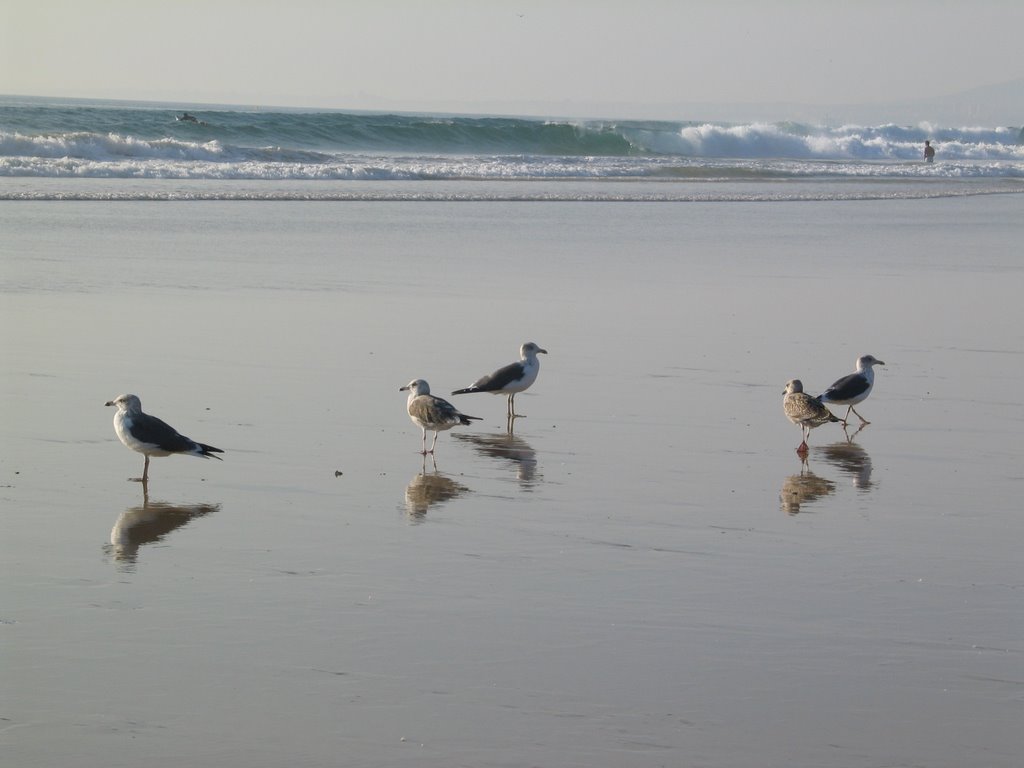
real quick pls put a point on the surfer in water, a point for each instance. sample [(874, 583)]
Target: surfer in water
[(929, 152), (187, 118)]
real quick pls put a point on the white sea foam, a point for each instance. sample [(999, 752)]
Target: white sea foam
[(127, 143)]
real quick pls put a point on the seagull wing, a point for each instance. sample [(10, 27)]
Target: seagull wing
[(159, 434), (497, 381), (848, 387)]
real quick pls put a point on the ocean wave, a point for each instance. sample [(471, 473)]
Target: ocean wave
[(123, 142)]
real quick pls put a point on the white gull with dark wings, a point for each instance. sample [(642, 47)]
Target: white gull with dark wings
[(150, 436), (853, 388), (512, 378)]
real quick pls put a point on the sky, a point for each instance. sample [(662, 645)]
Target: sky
[(563, 57)]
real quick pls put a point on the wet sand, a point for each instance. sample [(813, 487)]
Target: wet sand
[(643, 574)]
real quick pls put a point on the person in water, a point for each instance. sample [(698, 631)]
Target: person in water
[(188, 118), (929, 152)]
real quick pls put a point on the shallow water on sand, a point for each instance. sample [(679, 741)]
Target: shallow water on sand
[(643, 574)]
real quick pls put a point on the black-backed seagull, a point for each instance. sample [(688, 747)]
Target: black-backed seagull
[(428, 411), (513, 378), (805, 411), (150, 436), (853, 388)]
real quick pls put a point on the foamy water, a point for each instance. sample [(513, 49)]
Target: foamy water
[(46, 140)]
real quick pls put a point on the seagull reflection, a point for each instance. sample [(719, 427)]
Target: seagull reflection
[(804, 488), (149, 523), (427, 490), (511, 448), (850, 459)]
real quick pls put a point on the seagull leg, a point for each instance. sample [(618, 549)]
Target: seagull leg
[(424, 451), (862, 419), (433, 443), (847, 416), (512, 408)]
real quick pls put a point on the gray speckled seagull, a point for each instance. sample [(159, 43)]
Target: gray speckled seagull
[(428, 411), (853, 388), (150, 436), (805, 411), (512, 378)]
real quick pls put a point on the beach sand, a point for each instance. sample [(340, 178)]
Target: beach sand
[(643, 574)]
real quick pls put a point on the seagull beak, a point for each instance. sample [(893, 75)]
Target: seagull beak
[(542, 351), (109, 402), (881, 362)]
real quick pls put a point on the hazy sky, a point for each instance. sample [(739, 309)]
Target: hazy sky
[(483, 55)]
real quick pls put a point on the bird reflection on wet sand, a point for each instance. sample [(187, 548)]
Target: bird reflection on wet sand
[(804, 488), (426, 490), (148, 524), (511, 448), (850, 459)]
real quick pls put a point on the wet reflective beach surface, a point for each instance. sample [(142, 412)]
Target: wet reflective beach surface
[(642, 571)]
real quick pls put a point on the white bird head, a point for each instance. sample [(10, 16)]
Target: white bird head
[(126, 403), (793, 386), (866, 361), (529, 349), (416, 387)]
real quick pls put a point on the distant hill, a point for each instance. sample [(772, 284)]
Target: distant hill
[(990, 106)]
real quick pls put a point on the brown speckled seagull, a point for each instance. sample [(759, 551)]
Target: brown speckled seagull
[(428, 411), (805, 411)]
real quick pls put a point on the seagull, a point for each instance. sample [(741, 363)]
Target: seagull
[(805, 411), (513, 378), (853, 388), (428, 411), (150, 436)]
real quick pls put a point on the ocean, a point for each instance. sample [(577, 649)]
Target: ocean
[(247, 153), (641, 572)]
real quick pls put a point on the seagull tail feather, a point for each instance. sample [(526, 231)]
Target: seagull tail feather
[(831, 416), (464, 419)]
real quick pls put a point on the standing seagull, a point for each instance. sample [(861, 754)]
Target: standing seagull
[(853, 388), (150, 436), (805, 411), (428, 411), (513, 378)]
